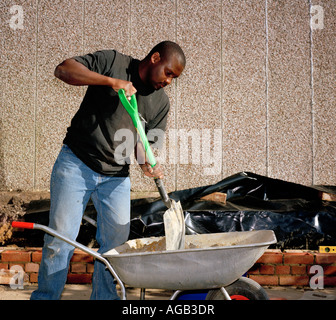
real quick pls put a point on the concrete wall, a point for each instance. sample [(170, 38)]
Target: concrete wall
[(258, 93)]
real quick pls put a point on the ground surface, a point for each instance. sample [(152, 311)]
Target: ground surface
[(82, 292)]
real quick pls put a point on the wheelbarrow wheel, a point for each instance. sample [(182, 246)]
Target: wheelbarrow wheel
[(242, 289)]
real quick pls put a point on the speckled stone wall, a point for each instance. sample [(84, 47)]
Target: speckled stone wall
[(289, 119), (257, 95), (323, 56)]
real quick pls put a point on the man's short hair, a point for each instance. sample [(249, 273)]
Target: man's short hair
[(168, 48)]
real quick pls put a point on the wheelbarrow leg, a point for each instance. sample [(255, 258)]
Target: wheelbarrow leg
[(175, 294), (142, 294), (225, 294)]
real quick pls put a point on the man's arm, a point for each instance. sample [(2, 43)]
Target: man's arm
[(72, 72)]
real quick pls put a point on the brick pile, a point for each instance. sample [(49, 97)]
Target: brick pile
[(28, 261), (292, 268)]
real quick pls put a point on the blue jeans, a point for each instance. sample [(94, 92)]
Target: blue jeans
[(71, 186)]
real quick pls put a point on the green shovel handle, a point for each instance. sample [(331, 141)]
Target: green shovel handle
[(132, 109)]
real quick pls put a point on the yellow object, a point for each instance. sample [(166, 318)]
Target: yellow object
[(327, 249)]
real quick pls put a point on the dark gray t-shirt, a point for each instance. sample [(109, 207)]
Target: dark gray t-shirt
[(102, 133)]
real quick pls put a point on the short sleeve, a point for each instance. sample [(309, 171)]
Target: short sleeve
[(99, 61)]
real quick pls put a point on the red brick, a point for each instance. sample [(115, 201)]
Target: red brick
[(32, 267), (78, 267), (74, 278), (80, 256), (330, 281), (293, 280), (266, 269), (5, 276), (298, 258), (282, 269), (298, 269), (16, 265), (329, 270), (325, 258), (90, 267), (265, 280), (271, 257), (4, 266), (254, 269), (33, 277), (16, 256), (37, 256)]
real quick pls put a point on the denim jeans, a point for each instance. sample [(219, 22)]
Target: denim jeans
[(71, 186)]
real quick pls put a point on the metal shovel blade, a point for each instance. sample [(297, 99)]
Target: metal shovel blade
[(174, 226)]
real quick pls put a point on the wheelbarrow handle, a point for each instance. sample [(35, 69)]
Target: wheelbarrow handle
[(96, 255), (30, 225), (23, 225)]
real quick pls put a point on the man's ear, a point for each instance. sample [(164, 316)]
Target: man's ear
[(155, 57)]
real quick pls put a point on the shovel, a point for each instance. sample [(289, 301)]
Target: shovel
[(173, 218)]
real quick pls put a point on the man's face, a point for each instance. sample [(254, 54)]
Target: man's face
[(163, 70)]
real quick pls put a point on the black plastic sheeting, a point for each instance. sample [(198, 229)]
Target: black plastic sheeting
[(296, 213)]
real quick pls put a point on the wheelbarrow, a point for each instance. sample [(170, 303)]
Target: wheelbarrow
[(213, 262)]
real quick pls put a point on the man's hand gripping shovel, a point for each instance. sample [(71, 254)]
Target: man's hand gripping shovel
[(173, 218)]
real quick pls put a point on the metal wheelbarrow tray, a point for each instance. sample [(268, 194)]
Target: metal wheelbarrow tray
[(209, 260)]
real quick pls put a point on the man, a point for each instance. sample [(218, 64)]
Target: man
[(94, 160)]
